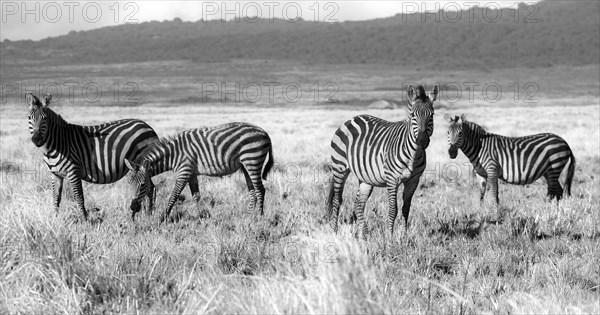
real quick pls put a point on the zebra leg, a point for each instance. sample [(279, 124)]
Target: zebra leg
[(259, 190), (180, 183), (57, 186), (351, 217), (252, 203), (253, 172), (78, 192), (364, 192), (409, 190), (393, 206), (554, 188), (151, 195), (194, 189), (493, 182), (335, 199), (482, 184), (260, 195)]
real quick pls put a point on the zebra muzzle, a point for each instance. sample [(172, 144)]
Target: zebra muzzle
[(135, 207), (453, 151), (36, 138), (423, 140)]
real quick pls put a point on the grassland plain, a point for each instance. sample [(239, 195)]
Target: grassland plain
[(541, 259)]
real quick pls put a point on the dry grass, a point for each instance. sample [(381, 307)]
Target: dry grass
[(542, 259)]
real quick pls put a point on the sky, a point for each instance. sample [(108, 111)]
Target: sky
[(38, 20)]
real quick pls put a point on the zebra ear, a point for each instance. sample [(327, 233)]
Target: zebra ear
[(434, 93), (132, 166), (448, 118), (32, 100), (463, 117), (411, 92), (47, 99)]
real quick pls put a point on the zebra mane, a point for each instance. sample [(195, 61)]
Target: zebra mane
[(136, 178), (421, 95), (57, 118), (474, 128), (156, 146)]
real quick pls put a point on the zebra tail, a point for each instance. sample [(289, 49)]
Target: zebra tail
[(269, 164), (570, 175)]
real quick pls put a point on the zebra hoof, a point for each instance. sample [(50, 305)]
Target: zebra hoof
[(162, 219), (361, 234), (334, 227), (350, 218), (205, 214)]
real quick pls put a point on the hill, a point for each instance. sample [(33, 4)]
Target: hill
[(554, 33)]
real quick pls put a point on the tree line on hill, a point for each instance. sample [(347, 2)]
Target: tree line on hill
[(554, 32)]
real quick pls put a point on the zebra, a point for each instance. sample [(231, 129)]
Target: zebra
[(213, 151), (515, 160), (382, 154), (95, 154)]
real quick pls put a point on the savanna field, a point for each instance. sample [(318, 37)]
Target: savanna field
[(454, 258)]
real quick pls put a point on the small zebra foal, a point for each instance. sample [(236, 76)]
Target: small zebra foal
[(213, 151), (95, 154), (515, 160)]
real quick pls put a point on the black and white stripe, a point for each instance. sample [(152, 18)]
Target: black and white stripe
[(382, 154), (95, 154), (518, 160), (214, 151)]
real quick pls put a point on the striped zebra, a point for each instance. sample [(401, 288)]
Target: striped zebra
[(213, 151), (518, 160), (95, 154), (382, 154)]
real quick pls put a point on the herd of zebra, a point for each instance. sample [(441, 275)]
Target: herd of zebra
[(378, 152)]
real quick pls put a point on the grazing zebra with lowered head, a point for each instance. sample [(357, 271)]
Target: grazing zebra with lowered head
[(95, 154), (213, 151), (382, 154), (518, 160)]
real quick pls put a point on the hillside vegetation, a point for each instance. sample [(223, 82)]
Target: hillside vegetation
[(545, 34)]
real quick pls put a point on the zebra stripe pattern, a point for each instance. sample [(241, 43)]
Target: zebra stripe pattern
[(215, 151), (382, 154), (519, 160), (95, 154)]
